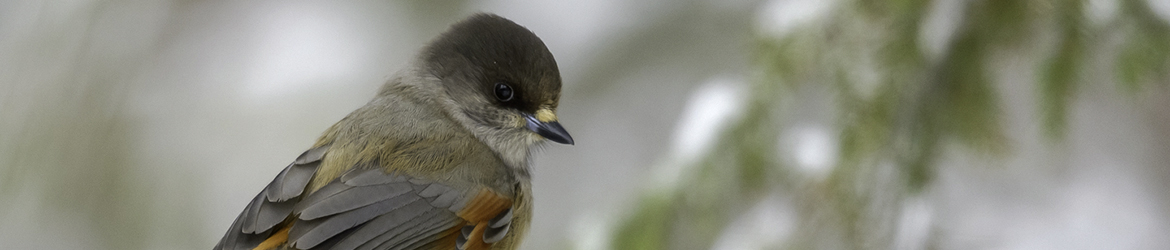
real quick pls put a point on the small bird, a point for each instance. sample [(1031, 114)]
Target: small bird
[(437, 160)]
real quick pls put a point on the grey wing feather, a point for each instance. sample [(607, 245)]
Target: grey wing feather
[(321, 194), (382, 224), (396, 238), (236, 238), (426, 234), (291, 182), (463, 235), (312, 155), (498, 227), (350, 199), (272, 205), (363, 209), (319, 230), (368, 208)]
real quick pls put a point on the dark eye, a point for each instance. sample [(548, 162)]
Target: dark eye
[(503, 92)]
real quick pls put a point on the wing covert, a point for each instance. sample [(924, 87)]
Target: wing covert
[(274, 204), (371, 209), (367, 208)]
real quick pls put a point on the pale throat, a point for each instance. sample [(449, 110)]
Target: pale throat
[(512, 145)]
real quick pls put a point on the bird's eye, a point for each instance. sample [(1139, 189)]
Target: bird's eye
[(503, 92)]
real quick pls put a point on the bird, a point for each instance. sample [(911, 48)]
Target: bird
[(438, 159)]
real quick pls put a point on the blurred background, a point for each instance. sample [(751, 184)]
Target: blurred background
[(741, 124)]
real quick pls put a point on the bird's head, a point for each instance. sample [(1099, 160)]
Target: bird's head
[(500, 80)]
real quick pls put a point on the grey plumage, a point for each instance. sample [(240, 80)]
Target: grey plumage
[(424, 233), (501, 220), (351, 198), (464, 233), (498, 227), (382, 224), (392, 235), (338, 207), (272, 205), (318, 230), (381, 210), (291, 182)]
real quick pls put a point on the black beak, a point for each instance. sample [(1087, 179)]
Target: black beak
[(551, 130)]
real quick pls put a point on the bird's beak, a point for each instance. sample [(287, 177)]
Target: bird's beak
[(545, 124)]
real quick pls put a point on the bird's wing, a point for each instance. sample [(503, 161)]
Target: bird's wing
[(371, 209), (274, 204)]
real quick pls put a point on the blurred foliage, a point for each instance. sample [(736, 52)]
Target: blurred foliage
[(1145, 55), (899, 105)]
